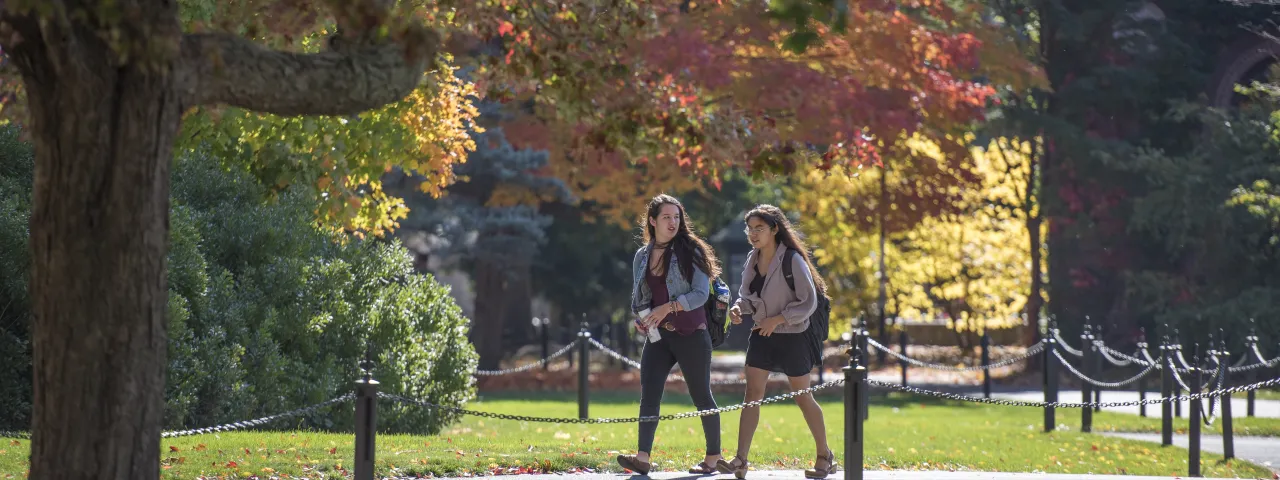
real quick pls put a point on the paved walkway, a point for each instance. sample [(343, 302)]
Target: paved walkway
[(1263, 408), (1263, 451), (870, 475)]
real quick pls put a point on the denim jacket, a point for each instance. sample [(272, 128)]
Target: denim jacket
[(691, 295)]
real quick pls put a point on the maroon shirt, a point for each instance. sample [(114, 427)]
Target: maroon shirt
[(684, 323)]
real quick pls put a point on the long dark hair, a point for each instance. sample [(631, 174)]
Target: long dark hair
[(689, 249), (787, 236)]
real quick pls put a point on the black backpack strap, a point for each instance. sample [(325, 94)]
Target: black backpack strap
[(786, 268)]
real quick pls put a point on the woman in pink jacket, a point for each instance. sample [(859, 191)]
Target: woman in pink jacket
[(781, 340)]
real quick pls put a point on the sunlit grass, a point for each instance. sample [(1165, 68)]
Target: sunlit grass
[(903, 433)]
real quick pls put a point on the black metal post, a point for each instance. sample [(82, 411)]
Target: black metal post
[(1193, 442), (1166, 391), (366, 419), (865, 359), (622, 335), (855, 386), (545, 325), (1176, 348), (986, 364), (1142, 382), (1050, 379), (863, 346), (1086, 388), (1250, 342), (607, 340), (1142, 396), (822, 359), (902, 348), (584, 370), (570, 337), (1228, 440), (1096, 367)]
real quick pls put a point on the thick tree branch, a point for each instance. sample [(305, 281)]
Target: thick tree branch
[(225, 69)]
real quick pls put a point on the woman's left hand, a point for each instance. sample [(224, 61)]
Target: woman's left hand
[(767, 327), (658, 314)]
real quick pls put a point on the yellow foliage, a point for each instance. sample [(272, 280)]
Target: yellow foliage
[(426, 133), (973, 265)]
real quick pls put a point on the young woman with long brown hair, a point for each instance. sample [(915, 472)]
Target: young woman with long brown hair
[(781, 340), (671, 281)]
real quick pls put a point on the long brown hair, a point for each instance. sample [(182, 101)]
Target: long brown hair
[(787, 236), (689, 249)]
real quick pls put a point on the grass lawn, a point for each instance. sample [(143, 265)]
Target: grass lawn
[(903, 433), (1268, 394), (1121, 422)]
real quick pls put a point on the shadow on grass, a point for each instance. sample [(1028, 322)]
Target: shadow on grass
[(680, 398)]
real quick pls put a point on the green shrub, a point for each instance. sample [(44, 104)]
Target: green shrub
[(268, 313), (16, 168)]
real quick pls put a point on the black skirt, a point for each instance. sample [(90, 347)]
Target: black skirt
[(791, 354)]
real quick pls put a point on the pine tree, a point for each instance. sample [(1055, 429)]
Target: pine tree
[(490, 219)]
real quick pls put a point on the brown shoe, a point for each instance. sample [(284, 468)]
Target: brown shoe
[(737, 466), (702, 469), (630, 462), (823, 472)]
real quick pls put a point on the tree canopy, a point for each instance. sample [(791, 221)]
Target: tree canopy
[(656, 91)]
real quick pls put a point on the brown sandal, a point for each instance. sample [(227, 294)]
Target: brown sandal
[(823, 472), (739, 471), (630, 462), (702, 469)]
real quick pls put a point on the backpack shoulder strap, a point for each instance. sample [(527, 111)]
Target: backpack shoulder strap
[(786, 268)]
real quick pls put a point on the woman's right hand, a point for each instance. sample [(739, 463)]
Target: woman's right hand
[(735, 314)]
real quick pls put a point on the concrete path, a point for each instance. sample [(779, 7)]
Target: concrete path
[(1263, 451), (1263, 408), (870, 475)]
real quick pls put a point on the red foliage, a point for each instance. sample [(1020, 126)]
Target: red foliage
[(711, 88)]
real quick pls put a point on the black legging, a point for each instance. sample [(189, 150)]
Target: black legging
[(693, 354)]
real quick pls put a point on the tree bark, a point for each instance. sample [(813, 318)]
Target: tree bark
[(486, 328), (1035, 301), (519, 309), (104, 116), (1035, 223), (104, 138)]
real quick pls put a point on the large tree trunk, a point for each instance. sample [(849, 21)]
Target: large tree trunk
[(104, 115), (99, 229), (1035, 301), (519, 309), (487, 327)]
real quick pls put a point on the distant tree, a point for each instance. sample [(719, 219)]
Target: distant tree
[(490, 219)]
